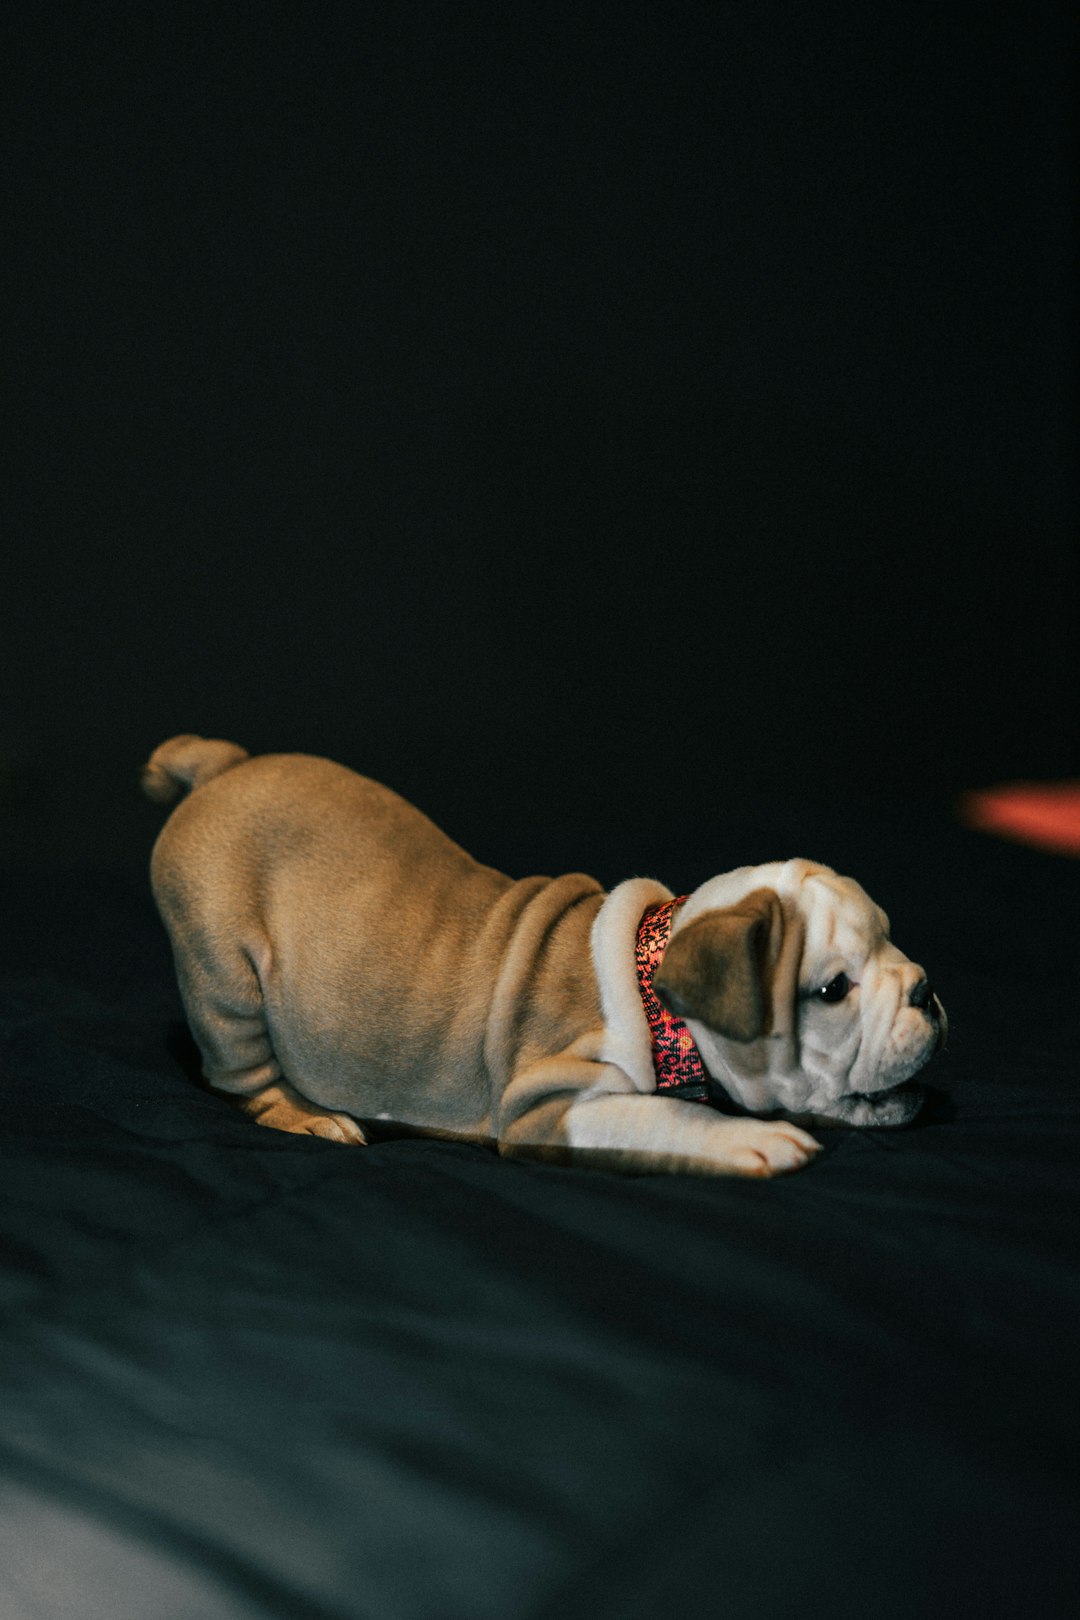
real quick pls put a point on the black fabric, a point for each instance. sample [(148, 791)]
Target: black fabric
[(246, 1375)]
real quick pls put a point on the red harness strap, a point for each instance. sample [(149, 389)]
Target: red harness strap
[(679, 1069)]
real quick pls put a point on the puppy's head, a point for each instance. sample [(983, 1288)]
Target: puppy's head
[(797, 998)]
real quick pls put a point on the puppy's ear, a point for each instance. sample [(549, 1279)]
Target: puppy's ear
[(735, 968)]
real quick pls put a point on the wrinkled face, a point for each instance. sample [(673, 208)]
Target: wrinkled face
[(849, 1028)]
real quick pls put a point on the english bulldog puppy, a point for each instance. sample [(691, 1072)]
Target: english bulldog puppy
[(347, 970)]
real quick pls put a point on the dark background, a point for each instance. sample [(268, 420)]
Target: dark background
[(596, 421), (642, 433)]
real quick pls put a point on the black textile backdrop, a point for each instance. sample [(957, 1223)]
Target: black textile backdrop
[(247, 1376), (481, 393), (642, 436)]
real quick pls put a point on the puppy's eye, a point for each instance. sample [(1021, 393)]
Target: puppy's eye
[(836, 989)]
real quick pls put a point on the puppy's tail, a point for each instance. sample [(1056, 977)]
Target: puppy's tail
[(184, 763)]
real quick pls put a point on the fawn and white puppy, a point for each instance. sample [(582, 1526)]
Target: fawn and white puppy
[(346, 968)]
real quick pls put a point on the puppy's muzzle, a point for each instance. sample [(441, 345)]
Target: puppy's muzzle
[(924, 997)]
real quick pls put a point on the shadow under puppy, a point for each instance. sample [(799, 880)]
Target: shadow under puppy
[(345, 967)]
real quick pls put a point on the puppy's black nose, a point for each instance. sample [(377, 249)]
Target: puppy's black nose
[(922, 996)]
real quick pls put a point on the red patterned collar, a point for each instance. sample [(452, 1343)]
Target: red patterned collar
[(679, 1069)]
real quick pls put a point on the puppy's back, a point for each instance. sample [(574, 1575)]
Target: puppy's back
[(252, 825)]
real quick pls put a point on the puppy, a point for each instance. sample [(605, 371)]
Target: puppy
[(346, 969)]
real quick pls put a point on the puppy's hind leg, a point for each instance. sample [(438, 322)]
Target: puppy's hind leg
[(283, 1108), (225, 1013)]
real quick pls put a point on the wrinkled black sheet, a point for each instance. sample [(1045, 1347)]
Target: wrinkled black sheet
[(249, 1375)]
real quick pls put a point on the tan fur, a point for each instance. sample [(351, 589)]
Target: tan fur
[(346, 968), (734, 967)]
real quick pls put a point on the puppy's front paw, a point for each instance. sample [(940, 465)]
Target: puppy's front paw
[(764, 1147)]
